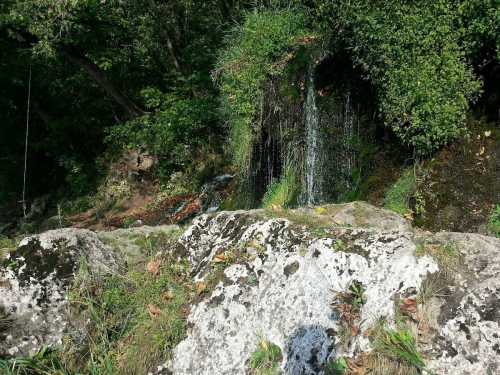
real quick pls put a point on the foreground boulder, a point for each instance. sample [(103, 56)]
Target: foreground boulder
[(34, 281), (283, 282), (316, 284)]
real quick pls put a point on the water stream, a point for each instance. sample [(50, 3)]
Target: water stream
[(312, 174)]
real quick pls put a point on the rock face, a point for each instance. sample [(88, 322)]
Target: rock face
[(33, 285), (282, 277), (285, 278), (468, 341)]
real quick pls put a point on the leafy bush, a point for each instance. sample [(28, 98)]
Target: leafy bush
[(175, 129), (494, 222), (253, 54), (411, 52), (398, 197)]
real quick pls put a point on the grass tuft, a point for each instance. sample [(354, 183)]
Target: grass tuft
[(135, 319), (45, 362), (266, 359)]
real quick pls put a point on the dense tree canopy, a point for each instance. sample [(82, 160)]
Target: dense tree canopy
[(119, 74)]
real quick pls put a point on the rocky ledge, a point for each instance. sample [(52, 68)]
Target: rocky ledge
[(317, 283)]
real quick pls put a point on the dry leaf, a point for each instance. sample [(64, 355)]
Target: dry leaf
[(168, 296), (153, 267), (220, 258), (154, 311), (200, 287), (409, 306)]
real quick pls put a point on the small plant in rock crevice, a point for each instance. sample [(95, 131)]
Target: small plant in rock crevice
[(396, 348), (265, 360), (337, 367), (348, 305)]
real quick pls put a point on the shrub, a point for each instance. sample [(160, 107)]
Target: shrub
[(398, 197), (175, 129), (256, 49), (411, 52)]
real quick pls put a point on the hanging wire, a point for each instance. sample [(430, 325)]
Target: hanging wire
[(26, 144)]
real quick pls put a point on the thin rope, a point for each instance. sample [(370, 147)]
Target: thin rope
[(26, 144)]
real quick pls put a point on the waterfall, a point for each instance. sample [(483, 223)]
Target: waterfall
[(348, 160), (312, 193)]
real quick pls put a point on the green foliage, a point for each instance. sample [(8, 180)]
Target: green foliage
[(494, 222), (480, 25), (411, 52), (337, 367), (282, 193), (175, 129), (266, 359), (253, 54), (398, 197)]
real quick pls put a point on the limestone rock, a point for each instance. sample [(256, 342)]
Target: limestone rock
[(285, 278), (33, 286)]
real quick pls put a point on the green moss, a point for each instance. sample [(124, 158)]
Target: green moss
[(398, 197), (282, 193)]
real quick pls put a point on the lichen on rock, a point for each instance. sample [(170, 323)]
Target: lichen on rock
[(291, 309), (34, 281)]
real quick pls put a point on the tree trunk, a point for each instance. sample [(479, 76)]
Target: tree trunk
[(130, 108)]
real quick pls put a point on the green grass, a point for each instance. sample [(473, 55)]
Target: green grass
[(136, 319), (45, 362), (398, 197), (255, 50), (282, 193), (266, 359), (397, 345), (494, 221)]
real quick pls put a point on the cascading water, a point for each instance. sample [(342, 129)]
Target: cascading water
[(314, 130), (312, 189), (331, 128), (349, 127)]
